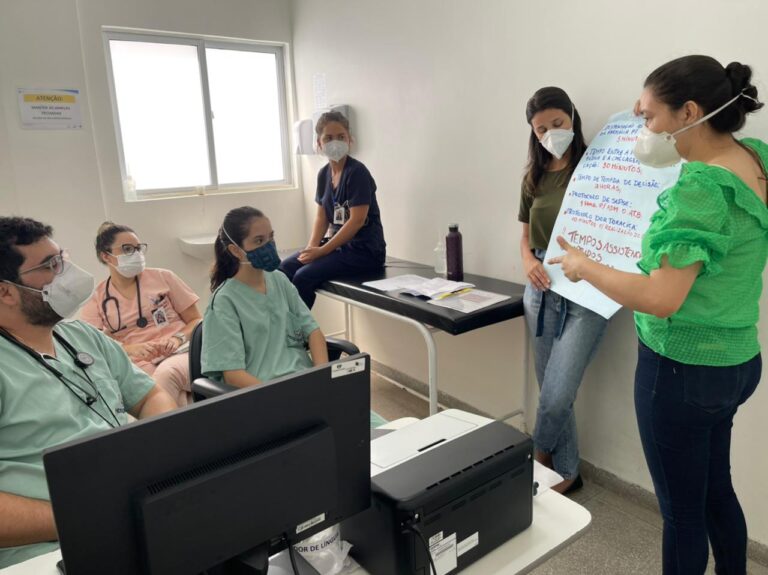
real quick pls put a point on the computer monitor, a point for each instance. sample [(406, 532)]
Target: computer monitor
[(189, 490)]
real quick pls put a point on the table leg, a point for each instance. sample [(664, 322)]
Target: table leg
[(426, 333), (526, 382), (424, 330)]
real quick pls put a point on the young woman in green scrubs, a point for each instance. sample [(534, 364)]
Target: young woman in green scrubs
[(256, 327)]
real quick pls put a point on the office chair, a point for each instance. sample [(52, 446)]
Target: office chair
[(204, 388)]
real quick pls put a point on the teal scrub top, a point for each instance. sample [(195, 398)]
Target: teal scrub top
[(264, 334), (38, 412)]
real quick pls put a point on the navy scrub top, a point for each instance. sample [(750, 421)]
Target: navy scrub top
[(356, 188)]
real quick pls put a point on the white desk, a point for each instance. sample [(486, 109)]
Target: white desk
[(557, 521)]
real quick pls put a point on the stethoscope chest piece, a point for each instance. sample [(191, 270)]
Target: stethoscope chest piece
[(84, 359)]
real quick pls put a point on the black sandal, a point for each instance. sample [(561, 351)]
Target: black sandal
[(577, 484)]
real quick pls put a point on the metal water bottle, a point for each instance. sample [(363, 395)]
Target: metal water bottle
[(453, 255)]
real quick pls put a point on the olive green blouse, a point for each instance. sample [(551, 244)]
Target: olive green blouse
[(711, 216), (540, 209)]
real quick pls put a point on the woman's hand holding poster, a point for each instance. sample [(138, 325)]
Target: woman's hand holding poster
[(607, 209)]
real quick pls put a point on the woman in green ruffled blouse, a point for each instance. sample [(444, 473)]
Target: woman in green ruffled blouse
[(696, 303)]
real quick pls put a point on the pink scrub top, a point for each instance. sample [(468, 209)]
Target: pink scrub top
[(163, 297)]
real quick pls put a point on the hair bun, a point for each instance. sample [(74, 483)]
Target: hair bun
[(740, 76), (105, 226)]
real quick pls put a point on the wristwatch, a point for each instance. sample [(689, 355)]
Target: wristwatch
[(181, 337)]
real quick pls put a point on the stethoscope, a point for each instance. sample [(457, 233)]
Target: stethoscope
[(141, 322), (83, 360)]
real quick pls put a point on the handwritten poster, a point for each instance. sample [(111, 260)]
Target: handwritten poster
[(607, 208), (50, 109)]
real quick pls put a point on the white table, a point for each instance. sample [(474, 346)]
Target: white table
[(557, 521)]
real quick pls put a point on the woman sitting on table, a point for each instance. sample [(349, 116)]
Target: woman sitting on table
[(151, 312), (347, 236)]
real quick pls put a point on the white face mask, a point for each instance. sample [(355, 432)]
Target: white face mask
[(130, 266), (557, 141), (658, 150), (335, 150), (68, 291)]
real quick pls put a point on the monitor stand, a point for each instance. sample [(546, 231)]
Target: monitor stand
[(257, 561)]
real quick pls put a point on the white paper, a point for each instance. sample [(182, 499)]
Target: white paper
[(398, 282), (437, 287), (545, 477), (50, 109), (607, 209), (469, 301), (419, 286), (444, 555), (319, 91)]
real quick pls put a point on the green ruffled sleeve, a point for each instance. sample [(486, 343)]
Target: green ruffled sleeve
[(690, 226)]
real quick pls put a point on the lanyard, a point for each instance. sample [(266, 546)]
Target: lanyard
[(82, 360)]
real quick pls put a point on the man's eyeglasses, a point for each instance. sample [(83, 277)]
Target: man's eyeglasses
[(130, 249), (54, 264)]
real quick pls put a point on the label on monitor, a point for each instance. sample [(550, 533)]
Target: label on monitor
[(466, 544), (444, 554), (310, 523), (347, 367)]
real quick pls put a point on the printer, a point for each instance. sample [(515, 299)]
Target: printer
[(455, 483)]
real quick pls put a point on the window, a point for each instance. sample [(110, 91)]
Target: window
[(195, 116)]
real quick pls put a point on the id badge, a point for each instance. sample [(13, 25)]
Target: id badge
[(338, 215), (160, 317)]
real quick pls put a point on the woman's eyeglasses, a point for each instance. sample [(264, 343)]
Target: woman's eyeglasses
[(130, 249)]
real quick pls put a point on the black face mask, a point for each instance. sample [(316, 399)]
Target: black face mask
[(264, 257)]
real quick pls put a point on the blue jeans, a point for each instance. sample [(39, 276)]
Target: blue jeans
[(345, 260), (569, 335), (685, 415)]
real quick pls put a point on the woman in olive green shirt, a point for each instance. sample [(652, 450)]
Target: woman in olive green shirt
[(696, 302), (566, 333)]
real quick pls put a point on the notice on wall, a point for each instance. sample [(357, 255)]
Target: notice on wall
[(57, 109), (607, 209), (319, 91)]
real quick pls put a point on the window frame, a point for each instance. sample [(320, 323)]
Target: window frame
[(201, 43)]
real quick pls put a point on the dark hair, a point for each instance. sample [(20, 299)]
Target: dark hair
[(538, 157), (16, 231), (329, 117), (234, 229), (703, 79), (105, 237)]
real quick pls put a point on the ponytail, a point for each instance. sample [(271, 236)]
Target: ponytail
[(233, 230)]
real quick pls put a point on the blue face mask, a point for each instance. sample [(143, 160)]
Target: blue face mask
[(264, 257)]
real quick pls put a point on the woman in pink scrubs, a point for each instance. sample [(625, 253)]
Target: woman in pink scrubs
[(150, 311)]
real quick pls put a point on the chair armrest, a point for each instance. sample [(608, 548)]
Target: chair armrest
[(341, 346), (204, 388)]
